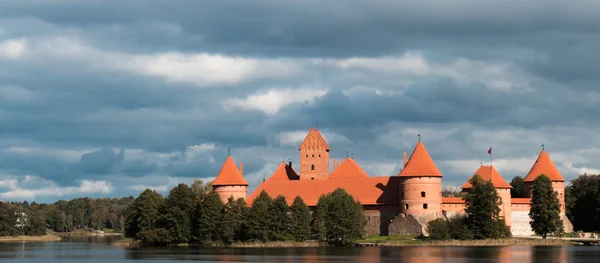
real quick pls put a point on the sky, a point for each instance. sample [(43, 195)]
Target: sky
[(107, 98)]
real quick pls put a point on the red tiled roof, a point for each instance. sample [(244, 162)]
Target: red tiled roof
[(229, 174), (317, 134), (452, 200), (489, 173), (521, 201), (368, 191), (348, 169), (420, 163), (284, 172), (544, 165)]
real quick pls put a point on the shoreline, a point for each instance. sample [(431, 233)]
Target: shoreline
[(415, 242), (46, 238)]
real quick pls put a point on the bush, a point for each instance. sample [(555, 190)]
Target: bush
[(154, 237), (458, 228), (438, 229)]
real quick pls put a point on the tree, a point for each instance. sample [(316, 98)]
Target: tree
[(279, 223), (451, 191), (518, 188), (545, 208), (8, 220), (344, 219), (208, 219), (300, 220), (258, 218), (483, 209), (36, 223), (176, 214), (318, 219), (232, 220), (438, 229), (200, 190), (583, 202), (144, 213)]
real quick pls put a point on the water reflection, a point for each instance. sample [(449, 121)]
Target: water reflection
[(99, 250)]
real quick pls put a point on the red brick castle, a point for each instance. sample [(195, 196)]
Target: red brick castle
[(393, 205)]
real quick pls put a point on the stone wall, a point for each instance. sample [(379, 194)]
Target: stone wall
[(520, 224), (405, 225)]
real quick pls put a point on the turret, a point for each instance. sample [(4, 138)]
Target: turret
[(314, 156), (230, 181), (489, 173), (544, 165), (420, 184)]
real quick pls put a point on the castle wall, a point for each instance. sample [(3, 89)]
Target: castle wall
[(237, 191), (506, 206), (314, 155)]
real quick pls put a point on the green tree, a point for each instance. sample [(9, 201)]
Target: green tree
[(208, 219), (300, 220), (344, 219), (518, 188), (438, 229), (258, 218), (232, 223), (200, 190), (545, 208), (144, 213), (319, 218), (36, 223), (176, 214), (8, 220), (279, 223), (482, 209), (583, 202)]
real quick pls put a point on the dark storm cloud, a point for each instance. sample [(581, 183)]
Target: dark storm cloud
[(81, 94)]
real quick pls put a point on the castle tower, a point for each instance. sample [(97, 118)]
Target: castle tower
[(421, 184), (544, 165), (230, 181), (489, 173), (314, 156)]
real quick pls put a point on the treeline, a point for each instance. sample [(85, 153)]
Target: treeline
[(18, 218), (197, 215)]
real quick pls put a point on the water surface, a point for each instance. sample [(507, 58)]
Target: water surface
[(98, 249)]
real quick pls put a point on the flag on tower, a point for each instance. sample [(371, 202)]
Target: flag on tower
[(490, 150)]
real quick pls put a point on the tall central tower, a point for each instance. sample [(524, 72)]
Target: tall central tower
[(314, 156)]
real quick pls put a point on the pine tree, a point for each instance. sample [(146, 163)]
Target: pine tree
[(545, 208), (483, 209), (318, 218), (176, 214), (209, 218), (279, 223), (144, 213), (300, 220), (258, 218)]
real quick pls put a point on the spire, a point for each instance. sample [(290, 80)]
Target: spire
[(420, 163), (229, 174), (544, 165), (419, 135), (489, 173)]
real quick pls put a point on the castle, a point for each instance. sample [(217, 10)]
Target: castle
[(393, 205)]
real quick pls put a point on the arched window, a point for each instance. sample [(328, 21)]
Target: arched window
[(312, 167), (406, 206)]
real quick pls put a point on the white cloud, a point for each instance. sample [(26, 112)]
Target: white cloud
[(13, 48), (32, 187), (408, 64), (273, 100), (210, 69)]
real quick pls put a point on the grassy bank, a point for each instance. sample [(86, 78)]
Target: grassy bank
[(417, 241), (46, 238)]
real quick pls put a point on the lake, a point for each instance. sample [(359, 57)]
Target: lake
[(94, 249)]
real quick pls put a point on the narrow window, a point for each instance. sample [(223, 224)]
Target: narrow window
[(312, 167), (422, 194), (319, 156), (424, 206), (307, 156), (406, 206), (313, 156)]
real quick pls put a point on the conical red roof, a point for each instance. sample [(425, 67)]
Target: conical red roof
[(284, 172), (420, 163), (348, 169), (488, 173), (544, 165), (229, 174)]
